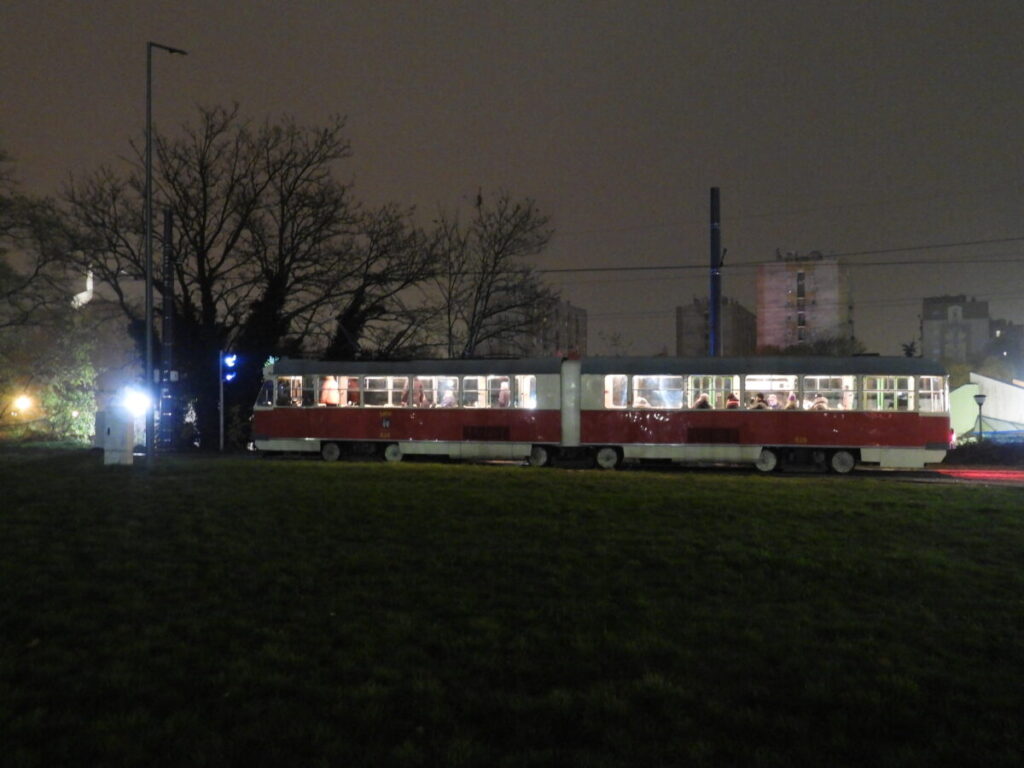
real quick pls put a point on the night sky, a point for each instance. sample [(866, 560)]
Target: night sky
[(846, 127)]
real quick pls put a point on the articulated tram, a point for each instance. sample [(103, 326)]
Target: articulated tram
[(831, 412)]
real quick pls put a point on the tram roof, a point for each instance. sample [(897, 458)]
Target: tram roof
[(782, 364), (775, 364), (295, 367)]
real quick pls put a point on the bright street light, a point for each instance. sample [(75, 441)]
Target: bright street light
[(22, 403), (137, 401)]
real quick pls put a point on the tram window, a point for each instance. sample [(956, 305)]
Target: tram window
[(396, 386), (474, 393), (526, 391), (447, 391), (717, 388), (375, 391), (498, 393), (657, 391), (615, 391), (289, 390), (266, 396), (831, 393), (775, 388), (888, 393), (931, 394), (348, 387), (309, 390), (382, 391)]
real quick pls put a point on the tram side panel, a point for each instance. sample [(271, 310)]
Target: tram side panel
[(897, 439), (504, 432)]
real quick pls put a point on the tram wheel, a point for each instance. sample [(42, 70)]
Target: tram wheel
[(767, 460), (392, 452), (607, 457), (842, 462), (330, 451), (540, 456)]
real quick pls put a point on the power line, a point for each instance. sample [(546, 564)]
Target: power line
[(930, 247), (804, 210), (1007, 259), (1010, 258), (856, 305)]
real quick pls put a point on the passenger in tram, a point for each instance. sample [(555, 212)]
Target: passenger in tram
[(759, 403), (504, 395), (791, 403), (702, 402), (419, 398), (773, 401), (820, 403), (329, 392), (448, 400), (732, 401)]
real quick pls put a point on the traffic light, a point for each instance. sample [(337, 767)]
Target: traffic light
[(228, 363)]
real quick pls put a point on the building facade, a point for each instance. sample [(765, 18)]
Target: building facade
[(739, 329), (801, 299), (955, 329)]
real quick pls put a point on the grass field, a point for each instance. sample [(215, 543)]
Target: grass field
[(245, 612)]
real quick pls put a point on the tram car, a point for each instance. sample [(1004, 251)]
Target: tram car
[(831, 412)]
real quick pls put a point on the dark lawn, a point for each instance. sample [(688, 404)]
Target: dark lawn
[(251, 612)]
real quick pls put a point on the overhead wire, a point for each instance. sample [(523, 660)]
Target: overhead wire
[(1003, 258), (887, 203)]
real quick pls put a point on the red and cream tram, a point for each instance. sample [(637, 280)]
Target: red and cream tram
[(766, 411)]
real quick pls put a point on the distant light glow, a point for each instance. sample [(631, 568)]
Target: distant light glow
[(136, 401), (22, 402)]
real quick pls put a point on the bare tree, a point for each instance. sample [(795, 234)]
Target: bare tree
[(490, 296), (267, 243), (296, 239), (381, 279), (32, 249)]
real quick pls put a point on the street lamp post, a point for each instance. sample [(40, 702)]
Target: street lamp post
[(148, 246), (980, 400)]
